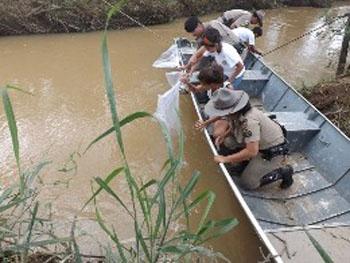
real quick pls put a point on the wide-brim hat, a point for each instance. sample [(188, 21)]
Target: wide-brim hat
[(226, 101), (260, 15)]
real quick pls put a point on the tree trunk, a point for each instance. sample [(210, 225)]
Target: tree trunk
[(344, 48)]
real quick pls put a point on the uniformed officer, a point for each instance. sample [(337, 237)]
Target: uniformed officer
[(257, 138), (238, 17)]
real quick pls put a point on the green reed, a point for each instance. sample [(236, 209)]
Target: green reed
[(22, 230), (158, 203)]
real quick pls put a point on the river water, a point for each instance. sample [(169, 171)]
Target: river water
[(68, 109)]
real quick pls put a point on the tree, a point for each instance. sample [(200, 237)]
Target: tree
[(344, 49)]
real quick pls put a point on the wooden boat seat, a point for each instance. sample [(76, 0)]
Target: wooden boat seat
[(253, 82), (299, 128)]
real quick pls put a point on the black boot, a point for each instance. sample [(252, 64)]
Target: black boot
[(287, 176), (285, 173)]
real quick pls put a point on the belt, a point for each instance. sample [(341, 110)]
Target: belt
[(280, 149)]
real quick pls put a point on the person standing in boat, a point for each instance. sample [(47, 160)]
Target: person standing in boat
[(241, 18), (247, 38), (224, 55), (258, 139)]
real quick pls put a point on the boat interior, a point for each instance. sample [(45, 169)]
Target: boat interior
[(319, 154)]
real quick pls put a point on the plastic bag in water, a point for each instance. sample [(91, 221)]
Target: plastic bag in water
[(168, 103), (169, 59)]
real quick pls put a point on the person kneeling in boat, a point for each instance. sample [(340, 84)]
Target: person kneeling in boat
[(260, 140), (224, 54)]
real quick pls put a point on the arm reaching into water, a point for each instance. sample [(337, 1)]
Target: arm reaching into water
[(200, 124), (194, 59)]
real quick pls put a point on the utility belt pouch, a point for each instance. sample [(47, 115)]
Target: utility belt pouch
[(239, 47), (281, 149)]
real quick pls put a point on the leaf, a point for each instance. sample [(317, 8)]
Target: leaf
[(326, 258), (109, 178), (126, 120), (32, 221), (189, 187), (115, 8), (217, 228), (211, 198), (139, 238), (161, 217), (202, 197), (112, 193), (148, 184), (11, 123), (113, 236), (110, 92), (18, 89)]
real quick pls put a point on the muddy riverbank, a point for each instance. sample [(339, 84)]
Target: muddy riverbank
[(41, 17), (332, 98)]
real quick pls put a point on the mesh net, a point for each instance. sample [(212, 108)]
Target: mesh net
[(168, 103), (169, 59)]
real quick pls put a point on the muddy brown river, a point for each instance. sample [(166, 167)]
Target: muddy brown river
[(69, 108)]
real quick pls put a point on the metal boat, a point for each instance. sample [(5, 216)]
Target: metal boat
[(319, 199)]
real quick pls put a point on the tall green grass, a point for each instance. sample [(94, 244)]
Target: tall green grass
[(159, 203), (23, 229)]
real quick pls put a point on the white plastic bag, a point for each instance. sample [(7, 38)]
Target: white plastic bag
[(169, 59), (168, 103)]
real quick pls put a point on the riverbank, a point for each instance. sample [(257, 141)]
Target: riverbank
[(333, 100), (41, 17)]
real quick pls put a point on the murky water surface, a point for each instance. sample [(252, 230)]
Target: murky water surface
[(68, 109)]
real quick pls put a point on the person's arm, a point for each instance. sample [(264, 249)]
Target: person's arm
[(251, 150), (253, 49), (193, 88), (239, 67), (194, 59), (200, 124)]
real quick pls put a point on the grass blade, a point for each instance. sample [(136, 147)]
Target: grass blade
[(218, 228), (113, 236), (112, 193), (189, 187), (326, 258), (12, 125), (126, 120), (18, 89), (148, 184), (109, 178), (211, 198), (161, 217)]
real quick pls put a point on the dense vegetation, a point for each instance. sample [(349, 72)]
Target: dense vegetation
[(41, 16)]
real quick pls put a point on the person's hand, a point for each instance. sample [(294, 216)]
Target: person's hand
[(183, 67), (199, 125), (220, 159), (185, 79)]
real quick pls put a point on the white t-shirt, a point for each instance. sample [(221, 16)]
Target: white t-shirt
[(245, 35), (228, 58)]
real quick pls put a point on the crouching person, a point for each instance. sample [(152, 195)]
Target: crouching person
[(259, 139)]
